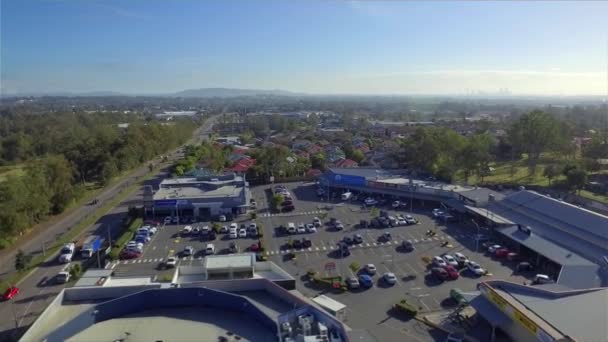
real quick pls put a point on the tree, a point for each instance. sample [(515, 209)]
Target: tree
[(576, 178), (276, 201), (357, 156), (317, 161), (551, 172), (535, 133), (150, 167), (22, 261)]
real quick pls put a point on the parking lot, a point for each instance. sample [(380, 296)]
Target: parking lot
[(370, 308)]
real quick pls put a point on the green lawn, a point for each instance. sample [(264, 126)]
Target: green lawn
[(505, 174), (12, 170)]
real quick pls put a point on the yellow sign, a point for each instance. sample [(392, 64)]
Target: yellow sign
[(525, 321)]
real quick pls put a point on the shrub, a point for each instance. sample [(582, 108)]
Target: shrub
[(216, 227), (354, 266), (253, 216)]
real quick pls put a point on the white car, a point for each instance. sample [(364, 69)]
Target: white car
[(224, 229), (187, 230), (291, 228), (67, 252), (233, 234), (437, 213), (439, 262), (168, 220), (494, 248), (171, 262), (153, 230), (410, 219), (461, 258), (233, 226), (370, 201), (370, 269), (222, 218), (301, 229), (396, 204), (317, 222), (475, 268), (62, 277), (135, 245), (189, 250), (390, 278), (450, 260), (242, 233), (311, 228)]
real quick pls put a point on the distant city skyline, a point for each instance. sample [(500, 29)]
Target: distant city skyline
[(314, 47)]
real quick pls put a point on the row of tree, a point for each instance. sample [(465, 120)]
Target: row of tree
[(61, 154)]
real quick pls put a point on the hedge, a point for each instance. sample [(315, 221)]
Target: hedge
[(124, 238)]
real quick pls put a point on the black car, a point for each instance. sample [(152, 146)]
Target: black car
[(243, 226), (333, 221), (288, 208), (287, 202), (306, 243), (363, 224), (348, 240), (375, 223), (343, 249), (296, 243)]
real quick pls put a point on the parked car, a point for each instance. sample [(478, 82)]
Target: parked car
[(224, 229), (461, 258), (389, 278), (317, 222), (168, 220), (352, 283), (401, 221), (370, 269), (452, 272), (524, 266), (344, 251), (475, 268), (301, 229), (296, 243), (196, 230), (129, 254), (450, 260), (233, 234), (366, 281), (437, 213), (288, 208), (233, 247), (306, 243), (501, 253), (233, 225), (10, 293), (439, 261), (357, 239), (187, 230), (311, 228), (385, 237), (396, 204), (348, 240), (410, 219), (174, 220), (222, 218), (210, 249), (439, 273), (492, 249), (242, 233), (370, 201), (339, 226), (291, 228), (363, 223)]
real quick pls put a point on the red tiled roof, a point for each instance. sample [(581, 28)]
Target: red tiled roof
[(313, 172), (346, 163)]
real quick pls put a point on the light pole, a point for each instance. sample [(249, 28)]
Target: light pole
[(14, 313)]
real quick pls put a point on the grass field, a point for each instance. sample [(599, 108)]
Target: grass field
[(12, 170)]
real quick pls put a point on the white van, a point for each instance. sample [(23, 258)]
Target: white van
[(291, 228), (346, 196), (187, 230), (210, 249)]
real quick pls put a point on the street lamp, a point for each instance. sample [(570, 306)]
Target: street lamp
[(476, 236)]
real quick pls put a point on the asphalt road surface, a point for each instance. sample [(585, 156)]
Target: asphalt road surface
[(39, 289)]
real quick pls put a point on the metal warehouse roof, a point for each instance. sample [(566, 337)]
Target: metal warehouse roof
[(367, 172), (550, 306), (582, 219), (577, 272), (490, 215)]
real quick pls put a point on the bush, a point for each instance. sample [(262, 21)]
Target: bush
[(165, 278), (216, 227), (253, 216), (354, 266), (406, 307), (75, 271)]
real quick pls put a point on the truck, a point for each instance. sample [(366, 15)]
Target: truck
[(66, 253), (346, 196), (91, 246)]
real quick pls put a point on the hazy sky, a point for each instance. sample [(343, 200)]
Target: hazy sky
[(367, 47)]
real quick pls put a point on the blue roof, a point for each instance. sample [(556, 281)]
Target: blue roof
[(577, 272), (366, 172)]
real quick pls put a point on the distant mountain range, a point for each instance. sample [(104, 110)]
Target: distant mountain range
[(202, 92), (231, 92)]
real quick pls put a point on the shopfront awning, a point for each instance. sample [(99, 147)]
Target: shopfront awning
[(490, 312), (490, 215)]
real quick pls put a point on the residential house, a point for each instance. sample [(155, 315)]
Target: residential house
[(333, 153), (346, 163)]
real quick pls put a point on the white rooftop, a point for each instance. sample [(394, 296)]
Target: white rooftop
[(219, 262)]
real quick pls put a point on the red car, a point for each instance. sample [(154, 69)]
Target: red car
[(10, 293), (129, 255), (440, 273), (255, 247), (501, 253), (452, 272)]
